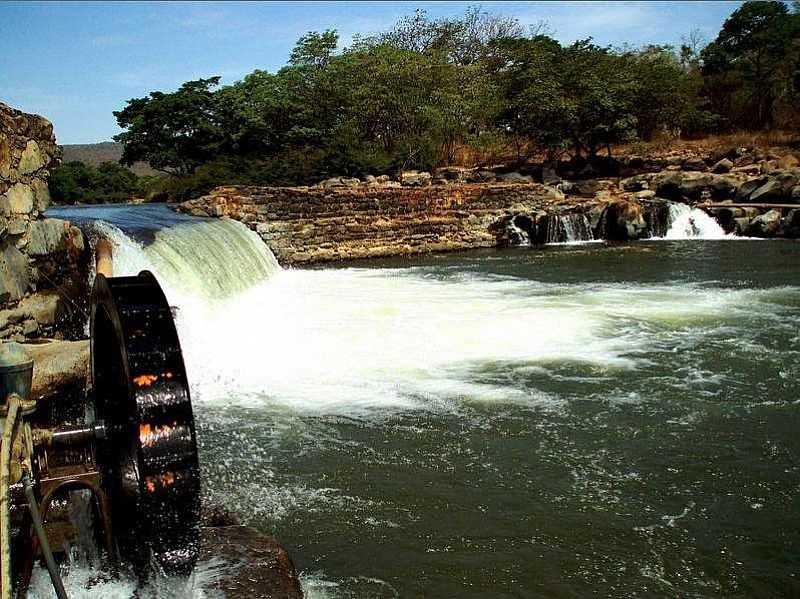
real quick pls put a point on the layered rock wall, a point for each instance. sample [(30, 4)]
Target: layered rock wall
[(36, 253), (315, 224)]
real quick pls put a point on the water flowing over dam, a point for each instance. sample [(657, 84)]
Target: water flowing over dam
[(563, 420)]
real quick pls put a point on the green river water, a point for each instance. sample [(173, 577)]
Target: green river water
[(572, 421)]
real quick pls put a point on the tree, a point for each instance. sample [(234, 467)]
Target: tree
[(175, 132), (75, 181), (750, 65)]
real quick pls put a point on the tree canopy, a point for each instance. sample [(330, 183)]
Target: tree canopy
[(431, 91)]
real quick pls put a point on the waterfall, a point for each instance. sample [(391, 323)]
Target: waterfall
[(564, 228), (577, 228), (210, 259), (686, 222)]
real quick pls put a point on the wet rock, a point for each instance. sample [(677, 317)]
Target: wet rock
[(765, 225), (794, 195), (622, 221), (741, 225), (723, 166), (259, 566), (791, 224)]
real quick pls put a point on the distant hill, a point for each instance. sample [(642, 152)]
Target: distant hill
[(105, 151)]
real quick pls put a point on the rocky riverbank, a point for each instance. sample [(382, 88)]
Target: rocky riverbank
[(749, 192), (43, 261)]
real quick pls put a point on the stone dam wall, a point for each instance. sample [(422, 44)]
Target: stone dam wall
[(339, 219), (41, 259), (315, 224)]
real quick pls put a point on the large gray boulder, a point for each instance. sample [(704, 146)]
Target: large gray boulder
[(14, 274), (765, 225)]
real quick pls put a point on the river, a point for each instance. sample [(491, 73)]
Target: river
[(593, 419)]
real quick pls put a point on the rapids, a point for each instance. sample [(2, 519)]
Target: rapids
[(561, 421)]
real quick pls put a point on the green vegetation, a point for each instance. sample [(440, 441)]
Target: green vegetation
[(107, 182), (452, 91)]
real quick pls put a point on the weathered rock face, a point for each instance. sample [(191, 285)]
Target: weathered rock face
[(312, 224), (35, 253)]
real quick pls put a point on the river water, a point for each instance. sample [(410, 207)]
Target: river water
[(612, 420)]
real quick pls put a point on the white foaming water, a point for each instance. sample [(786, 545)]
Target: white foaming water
[(692, 223), (370, 341)]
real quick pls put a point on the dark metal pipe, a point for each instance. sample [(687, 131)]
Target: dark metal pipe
[(52, 568)]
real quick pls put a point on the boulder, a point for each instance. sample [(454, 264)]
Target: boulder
[(788, 161), (776, 189), (549, 176), (791, 224), (14, 273), (31, 159), (514, 177), (794, 195), (694, 164), (723, 188), (58, 366), (635, 183), (18, 200), (741, 225), (748, 187), (587, 188), (723, 166), (622, 221), (262, 568), (53, 235), (765, 225), (415, 179), (482, 176)]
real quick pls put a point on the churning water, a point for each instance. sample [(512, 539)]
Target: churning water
[(556, 422)]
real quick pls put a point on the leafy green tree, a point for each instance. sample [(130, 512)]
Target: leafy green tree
[(75, 181), (175, 132), (750, 66)]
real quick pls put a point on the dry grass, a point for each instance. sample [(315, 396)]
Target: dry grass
[(778, 140)]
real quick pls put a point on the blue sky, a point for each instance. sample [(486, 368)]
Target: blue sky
[(77, 62)]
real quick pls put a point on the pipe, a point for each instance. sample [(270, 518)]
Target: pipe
[(12, 403), (104, 257), (50, 562)]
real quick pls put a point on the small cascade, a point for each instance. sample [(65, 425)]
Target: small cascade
[(576, 227), (564, 228), (686, 222), (657, 216), (518, 230)]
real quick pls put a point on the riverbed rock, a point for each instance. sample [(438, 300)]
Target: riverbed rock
[(257, 566), (415, 178), (514, 177), (723, 166), (622, 220), (791, 224), (59, 367), (765, 225), (694, 164)]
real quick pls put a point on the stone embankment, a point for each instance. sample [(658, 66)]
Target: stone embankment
[(323, 223), (42, 260), (749, 192)]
